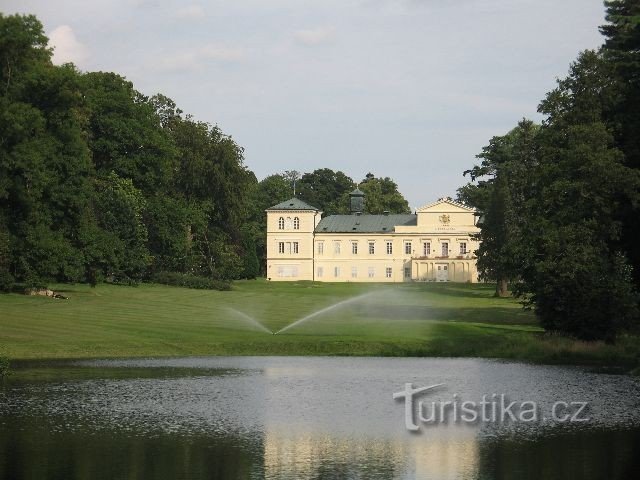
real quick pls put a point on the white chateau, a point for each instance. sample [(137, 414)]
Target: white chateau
[(436, 244)]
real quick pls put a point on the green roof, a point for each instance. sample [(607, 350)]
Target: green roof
[(364, 223), (293, 204)]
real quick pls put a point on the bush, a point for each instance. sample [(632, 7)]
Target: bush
[(190, 281), (4, 367)]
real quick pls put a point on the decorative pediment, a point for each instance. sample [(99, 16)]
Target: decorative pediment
[(445, 205)]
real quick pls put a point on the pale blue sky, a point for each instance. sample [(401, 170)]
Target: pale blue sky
[(410, 89)]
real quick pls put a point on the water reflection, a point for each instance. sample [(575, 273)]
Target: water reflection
[(304, 419)]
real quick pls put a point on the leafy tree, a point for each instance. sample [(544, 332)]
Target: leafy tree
[(327, 190), (576, 277), (120, 207), (622, 53), (381, 194), (500, 195), (124, 133), (44, 162)]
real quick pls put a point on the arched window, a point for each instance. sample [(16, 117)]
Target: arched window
[(296, 223), (281, 223), (288, 223)]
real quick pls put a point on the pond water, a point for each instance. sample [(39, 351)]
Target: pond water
[(313, 417)]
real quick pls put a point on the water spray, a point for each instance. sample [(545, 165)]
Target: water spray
[(324, 310), (250, 320)]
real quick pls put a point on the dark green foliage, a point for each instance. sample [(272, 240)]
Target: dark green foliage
[(500, 195), (190, 281), (327, 190), (4, 367), (622, 53), (554, 210), (381, 194), (100, 183)]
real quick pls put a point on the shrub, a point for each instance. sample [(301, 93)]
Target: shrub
[(190, 281), (4, 367)]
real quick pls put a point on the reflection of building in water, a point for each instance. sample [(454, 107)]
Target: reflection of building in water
[(446, 459), (306, 456)]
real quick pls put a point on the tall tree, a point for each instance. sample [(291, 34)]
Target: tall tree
[(382, 195), (622, 52), (44, 161), (327, 190), (576, 277), (500, 195)]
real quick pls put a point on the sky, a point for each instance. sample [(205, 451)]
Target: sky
[(409, 89)]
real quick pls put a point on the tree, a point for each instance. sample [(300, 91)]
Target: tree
[(622, 53), (382, 195), (44, 161), (327, 190), (575, 277), (507, 165)]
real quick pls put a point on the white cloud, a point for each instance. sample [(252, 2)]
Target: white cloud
[(192, 12), (197, 59), (314, 36), (67, 48)]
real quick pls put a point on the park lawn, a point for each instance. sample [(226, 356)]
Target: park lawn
[(410, 319)]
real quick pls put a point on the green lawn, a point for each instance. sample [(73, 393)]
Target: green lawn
[(402, 320)]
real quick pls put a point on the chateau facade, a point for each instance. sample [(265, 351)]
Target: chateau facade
[(434, 244)]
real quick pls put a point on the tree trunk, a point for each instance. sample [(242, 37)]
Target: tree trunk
[(502, 288)]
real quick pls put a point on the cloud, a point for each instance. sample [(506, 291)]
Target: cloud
[(314, 36), (67, 48), (197, 59), (192, 12)]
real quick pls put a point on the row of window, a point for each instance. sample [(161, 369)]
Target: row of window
[(289, 223), (408, 248), (371, 272)]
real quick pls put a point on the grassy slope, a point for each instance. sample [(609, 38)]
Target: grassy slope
[(408, 319)]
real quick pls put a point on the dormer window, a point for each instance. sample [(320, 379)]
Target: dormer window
[(296, 223), (281, 223)]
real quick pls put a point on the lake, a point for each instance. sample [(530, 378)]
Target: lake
[(316, 417)]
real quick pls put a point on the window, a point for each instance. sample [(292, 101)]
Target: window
[(281, 223), (320, 248), (354, 272), (354, 248), (288, 223), (407, 272), (463, 248), (407, 248), (280, 247), (372, 248), (389, 248), (320, 272), (288, 249), (372, 272), (445, 249), (336, 272), (296, 223), (287, 271), (336, 248), (426, 248), (388, 272), (295, 247)]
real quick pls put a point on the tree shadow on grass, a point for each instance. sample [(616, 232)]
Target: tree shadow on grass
[(490, 315), (468, 290)]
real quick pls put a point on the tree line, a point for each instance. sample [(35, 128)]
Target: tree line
[(559, 201), (99, 182)]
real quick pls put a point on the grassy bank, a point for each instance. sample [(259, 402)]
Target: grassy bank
[(394, 320)]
